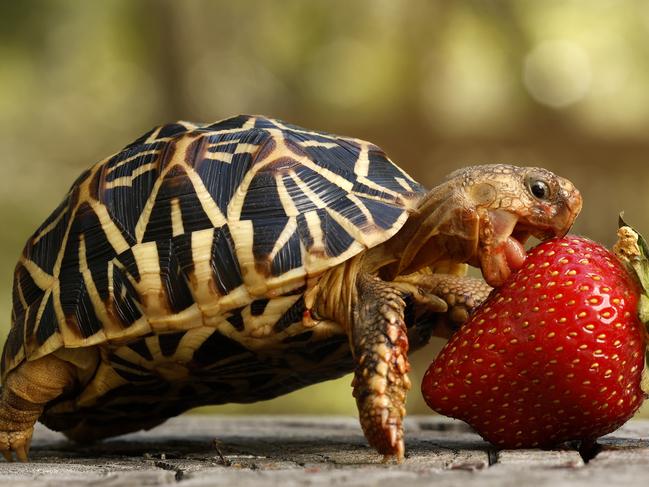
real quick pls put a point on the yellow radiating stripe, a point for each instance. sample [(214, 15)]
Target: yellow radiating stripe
[(236, 202), (56, 288), (50, 227), (150, 285), (282, 149), (250, 123), (331, 176), (41, 310), (287, 233), (357, 201), (225, 157), (246, 149), (243, 236), (113, 234), (210, 207), (143, 221), (127, 181), (177, 226), (317, 143), (378, 187), (187, 124), (41, 278), (403, 183), (201, 277), (362, 165), (223, 142), (314, 225), (284, 197), (132, 158), (154, 135), (224, 132), (315, 199), (367, 239), (188, 318)]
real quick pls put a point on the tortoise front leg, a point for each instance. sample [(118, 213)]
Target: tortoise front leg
[(24, 394), (453, 297), (380, 347)]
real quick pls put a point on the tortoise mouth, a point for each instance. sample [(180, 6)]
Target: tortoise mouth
[(507, 253), (523, 232)]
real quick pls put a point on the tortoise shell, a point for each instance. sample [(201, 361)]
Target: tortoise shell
[(200, 235)]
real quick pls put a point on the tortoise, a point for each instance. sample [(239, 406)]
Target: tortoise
[(241, 260)]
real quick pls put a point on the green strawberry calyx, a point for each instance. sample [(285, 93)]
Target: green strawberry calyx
[(632, 250)]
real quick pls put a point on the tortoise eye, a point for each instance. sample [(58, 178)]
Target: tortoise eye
[(539, 189)]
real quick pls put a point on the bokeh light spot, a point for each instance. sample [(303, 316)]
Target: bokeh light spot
[(557, 73)]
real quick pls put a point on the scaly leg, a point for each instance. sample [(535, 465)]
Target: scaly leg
[(380, 346), (451, 295), (26, 391)]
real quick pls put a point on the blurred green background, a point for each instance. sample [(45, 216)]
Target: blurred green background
[(439, 85)]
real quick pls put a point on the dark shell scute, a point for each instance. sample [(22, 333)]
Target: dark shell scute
[(173, 277), (140, 347), (125, 297), (218, 347), (262, 199), (292, 315), (337, 240), (169, 342), (222, 178), (176, 187), (258, 307), (384, 215), (225, 266), (236, 319), (289, 256)]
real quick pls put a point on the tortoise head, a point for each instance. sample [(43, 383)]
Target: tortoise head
[(483, 215), (512, 204)]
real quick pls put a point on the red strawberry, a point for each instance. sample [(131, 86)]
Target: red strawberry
[(555, 354)]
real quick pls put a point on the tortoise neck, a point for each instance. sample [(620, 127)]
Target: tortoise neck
[(442, 228)]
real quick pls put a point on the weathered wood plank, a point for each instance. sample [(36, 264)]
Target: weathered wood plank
[(247, 451)]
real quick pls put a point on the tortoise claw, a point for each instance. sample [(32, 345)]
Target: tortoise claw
[(16, 442)]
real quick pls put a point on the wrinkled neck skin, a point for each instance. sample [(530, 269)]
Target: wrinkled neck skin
[(443, 228)]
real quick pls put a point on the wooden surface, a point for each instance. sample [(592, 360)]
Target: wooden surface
[(198, 450)]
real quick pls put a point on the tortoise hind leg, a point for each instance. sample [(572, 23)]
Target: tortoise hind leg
[(380, 347), (25, 392)]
